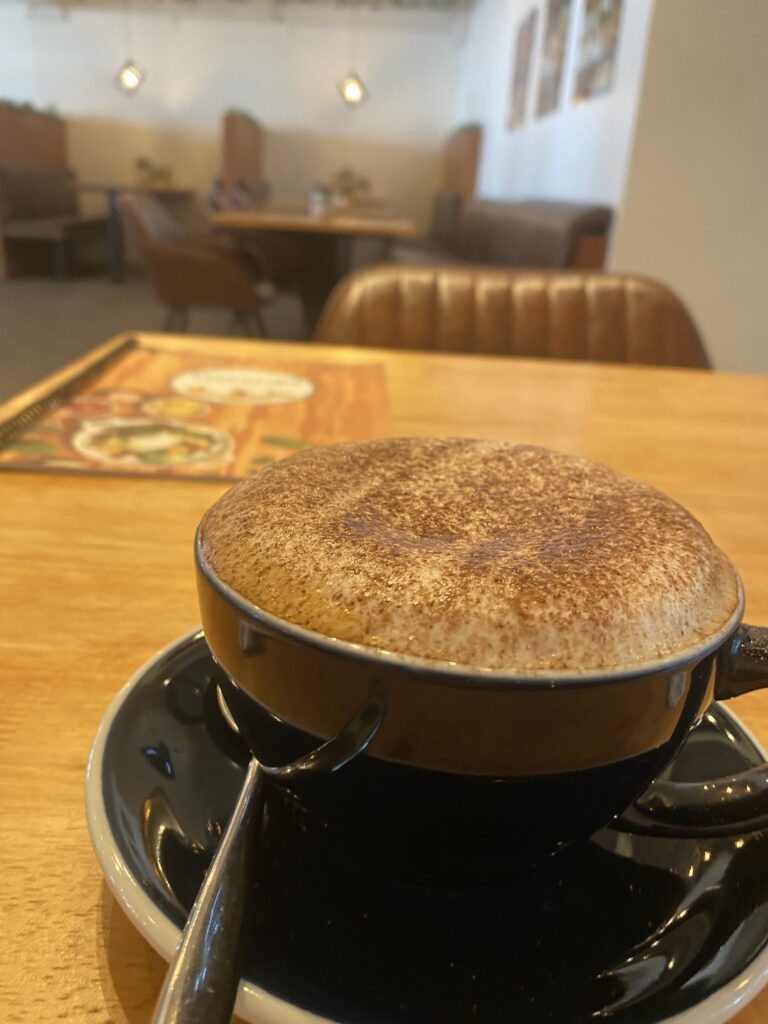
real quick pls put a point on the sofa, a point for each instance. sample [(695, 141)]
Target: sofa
[(39, 208), (535, 233)]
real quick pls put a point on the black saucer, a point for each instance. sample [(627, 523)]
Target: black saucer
[(630, 929)]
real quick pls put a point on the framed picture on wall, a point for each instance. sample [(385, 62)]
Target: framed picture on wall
[(598, 48), (521, 69), (553, 48)]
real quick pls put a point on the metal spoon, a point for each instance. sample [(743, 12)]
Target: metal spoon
[(201, 984)]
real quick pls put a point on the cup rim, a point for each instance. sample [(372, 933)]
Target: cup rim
[(454, 673)]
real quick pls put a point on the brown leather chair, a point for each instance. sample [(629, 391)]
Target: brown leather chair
[(602, 317), (281, 257), (186, 271)]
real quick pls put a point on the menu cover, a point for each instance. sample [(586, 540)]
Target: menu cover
[(184, 413)]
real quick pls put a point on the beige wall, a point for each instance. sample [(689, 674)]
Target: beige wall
[(405, 172), (695, 210), (202, 60)]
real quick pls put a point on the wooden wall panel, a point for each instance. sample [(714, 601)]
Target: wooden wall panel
[(243, 149), (30, 138), (462, 155)]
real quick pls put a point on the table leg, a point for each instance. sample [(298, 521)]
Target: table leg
[(115, 240), (318, 278), (62, 258), (344, 253)]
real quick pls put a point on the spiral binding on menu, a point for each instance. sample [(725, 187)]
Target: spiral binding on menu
[(17, 425)]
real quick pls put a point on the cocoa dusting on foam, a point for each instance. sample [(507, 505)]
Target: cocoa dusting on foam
[(486, 554)]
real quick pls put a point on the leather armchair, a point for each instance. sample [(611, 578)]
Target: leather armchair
[(192, 273), (186, 271), (544, 314), (281, 257)]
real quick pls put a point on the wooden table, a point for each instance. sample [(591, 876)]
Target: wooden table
[(97, 575), (327, 239), (356, 222)]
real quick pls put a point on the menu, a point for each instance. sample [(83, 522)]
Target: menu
[(154, 412)]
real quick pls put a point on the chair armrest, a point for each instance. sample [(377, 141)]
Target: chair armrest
[(253, 254), (193, 273)]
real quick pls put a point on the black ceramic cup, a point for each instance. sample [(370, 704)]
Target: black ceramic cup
[(476, 772)]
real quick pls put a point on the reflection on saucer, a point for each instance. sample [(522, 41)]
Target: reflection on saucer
[(231, 386), (145, 443)]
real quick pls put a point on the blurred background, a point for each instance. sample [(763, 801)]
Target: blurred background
[(593, 134)]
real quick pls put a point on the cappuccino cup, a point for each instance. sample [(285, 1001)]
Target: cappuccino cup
[(544, 630)]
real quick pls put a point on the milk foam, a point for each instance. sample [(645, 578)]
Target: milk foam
[(480, 553)]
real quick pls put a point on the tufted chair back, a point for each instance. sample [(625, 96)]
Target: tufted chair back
[(601, 317)]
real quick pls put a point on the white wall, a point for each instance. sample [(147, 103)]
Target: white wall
[(579, 151), (695, 211), (426, 73), (202, 61)]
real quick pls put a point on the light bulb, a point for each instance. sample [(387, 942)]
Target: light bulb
[(130, 77), (352, 90)]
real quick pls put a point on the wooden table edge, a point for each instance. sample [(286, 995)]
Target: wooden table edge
[(352, 354), (68, 373), (364, 227)]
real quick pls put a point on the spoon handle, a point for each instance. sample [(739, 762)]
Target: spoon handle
[(201, 984)]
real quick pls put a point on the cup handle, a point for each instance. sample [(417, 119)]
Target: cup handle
[(718, 807), (742, 663)]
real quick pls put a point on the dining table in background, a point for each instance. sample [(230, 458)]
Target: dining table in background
[(328, 238), (97, 575), (341, 221)]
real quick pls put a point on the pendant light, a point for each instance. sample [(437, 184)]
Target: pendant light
[(131, 75), (351, 87)]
